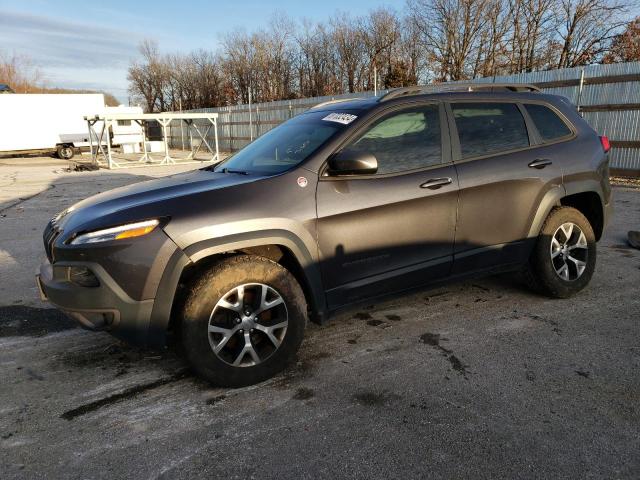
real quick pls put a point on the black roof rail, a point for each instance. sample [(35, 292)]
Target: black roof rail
[(453, 87)]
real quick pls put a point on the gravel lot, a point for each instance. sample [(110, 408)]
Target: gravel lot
[(473, 380)]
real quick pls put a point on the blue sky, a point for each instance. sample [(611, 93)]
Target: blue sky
[(89, 44)]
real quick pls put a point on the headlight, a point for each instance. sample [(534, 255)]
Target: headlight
[(130, 230)]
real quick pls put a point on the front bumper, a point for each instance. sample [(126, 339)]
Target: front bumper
[(105, 307)]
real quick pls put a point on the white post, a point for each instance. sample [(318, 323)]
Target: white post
[(167, 157), (250, 118), (93, 158), (181, 127), (215, 133), (580, 89), (145, 157), (105, 126), (375, 80)]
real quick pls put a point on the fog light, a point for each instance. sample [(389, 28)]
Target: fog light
[(83, 277)]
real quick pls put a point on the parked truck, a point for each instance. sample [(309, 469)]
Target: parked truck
[(46, 123)]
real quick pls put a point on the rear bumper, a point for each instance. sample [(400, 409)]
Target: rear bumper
[(103, 308)]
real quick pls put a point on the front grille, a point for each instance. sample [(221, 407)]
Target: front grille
[(51, 232)]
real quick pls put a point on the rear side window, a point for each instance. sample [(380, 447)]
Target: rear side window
[(549, 124), (404, 140), (488, 128)]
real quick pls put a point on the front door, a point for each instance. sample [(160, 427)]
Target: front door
[(391, 230)]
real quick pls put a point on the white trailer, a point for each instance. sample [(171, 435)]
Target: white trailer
[(43, 123)]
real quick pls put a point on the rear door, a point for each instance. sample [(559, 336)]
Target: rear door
[(503, 176), (392, 230)]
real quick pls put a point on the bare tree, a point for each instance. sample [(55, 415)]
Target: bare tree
[(240, 65), (453, 32), (432, 40), (316, 60), (350, 51), (19, 72), (626, 45), (585, 29), (533, 24), (380, 32), (491, 48), (147, 79), (275, 60), (409, 62)]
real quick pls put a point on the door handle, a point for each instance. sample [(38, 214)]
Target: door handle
[(436, 183), (540, 163)]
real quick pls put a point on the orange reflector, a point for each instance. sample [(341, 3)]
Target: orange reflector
[(136, 232)]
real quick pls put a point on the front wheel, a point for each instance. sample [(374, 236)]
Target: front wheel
[(243, 321), (564, 258)]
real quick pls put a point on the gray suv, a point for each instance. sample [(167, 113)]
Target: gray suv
[(350, 201)]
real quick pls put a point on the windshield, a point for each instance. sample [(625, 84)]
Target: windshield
[(287, 145)]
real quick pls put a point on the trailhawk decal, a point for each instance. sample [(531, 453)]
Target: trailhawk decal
[(344, 118)]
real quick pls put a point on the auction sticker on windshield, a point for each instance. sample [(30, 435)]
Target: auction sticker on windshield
[(344, 118)]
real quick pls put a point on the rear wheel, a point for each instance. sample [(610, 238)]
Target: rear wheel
[(564, 258), (65, 152), (243, 321)]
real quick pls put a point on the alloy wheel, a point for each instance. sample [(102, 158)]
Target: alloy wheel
[(248, 324), (569, 251)]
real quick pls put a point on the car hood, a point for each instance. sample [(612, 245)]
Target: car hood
[(146, 193)]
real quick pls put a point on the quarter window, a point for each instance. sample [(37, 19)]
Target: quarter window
[(488, 128), (403, 141), (549, 125)]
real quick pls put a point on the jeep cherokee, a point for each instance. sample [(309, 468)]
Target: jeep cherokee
[(349, 201)]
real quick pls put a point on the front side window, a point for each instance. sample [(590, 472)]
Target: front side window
[(549, 125), (404, 140), (488, 128), (287, 145)]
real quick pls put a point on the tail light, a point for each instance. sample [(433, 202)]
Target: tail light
[(606, 145)]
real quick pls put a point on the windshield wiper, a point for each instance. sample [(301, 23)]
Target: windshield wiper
[(239, 172)]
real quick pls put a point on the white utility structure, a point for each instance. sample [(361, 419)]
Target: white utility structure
[(46, 123), (126, 133), (103, 137)]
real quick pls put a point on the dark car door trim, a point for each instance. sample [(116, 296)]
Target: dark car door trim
[(345, 289)]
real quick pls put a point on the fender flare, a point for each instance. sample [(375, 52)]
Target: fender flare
[(553, 197), (549, 200), (182, 258)]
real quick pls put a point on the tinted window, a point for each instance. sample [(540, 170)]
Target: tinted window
[(549, 125), (486, 128), (403, 141), (287, 145)]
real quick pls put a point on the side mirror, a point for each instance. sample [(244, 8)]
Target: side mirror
[(353, 163)]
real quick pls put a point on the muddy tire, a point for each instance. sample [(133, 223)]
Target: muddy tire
[(243, 321), (564, 257)]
